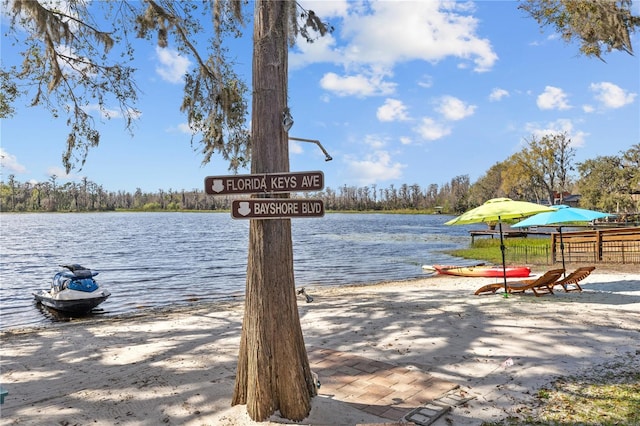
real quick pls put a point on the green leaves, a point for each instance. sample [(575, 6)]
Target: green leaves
[(598, 25), (609, 182), (77, 59)]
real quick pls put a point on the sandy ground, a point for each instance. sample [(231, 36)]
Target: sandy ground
[(177, 367)]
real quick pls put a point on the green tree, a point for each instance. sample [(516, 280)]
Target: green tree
[(543, 166), (487, 186), (631, 170), (79, 53), (459, 190), (599, 183), (598, 25), (611, 183), (8, 94), (517, 181)]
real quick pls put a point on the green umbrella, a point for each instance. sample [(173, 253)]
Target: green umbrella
[(497, 210)]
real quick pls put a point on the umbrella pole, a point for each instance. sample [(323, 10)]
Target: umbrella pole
[(562, 251), (504, 263)]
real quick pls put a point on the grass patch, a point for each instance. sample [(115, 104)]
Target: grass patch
[(607, 395), (613, 398), (517, 250)]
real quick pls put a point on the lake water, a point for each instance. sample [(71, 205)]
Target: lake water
[(152, 260)]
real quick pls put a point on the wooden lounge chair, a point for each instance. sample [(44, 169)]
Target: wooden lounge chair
[(539, 286), (570, 282)]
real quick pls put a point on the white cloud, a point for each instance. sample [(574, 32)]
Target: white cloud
[(453, 109), (295, 147), (394, 32), (375, 167), (10, 162), (588, 108), (104, 112), (375, 142), (430, 130), (497, 94), (172, 66), (385, 33), (61, 174), (322, 50), (543, 42), (426, 81), (563, 125), (611, 95), (405, 140), (356, 85), (392, 110), (553, 98), (183, 128), (326, 9)]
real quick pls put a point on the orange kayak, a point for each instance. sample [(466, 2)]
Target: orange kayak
[(483, 271)]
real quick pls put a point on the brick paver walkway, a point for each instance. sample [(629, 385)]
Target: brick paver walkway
[(378, 388)]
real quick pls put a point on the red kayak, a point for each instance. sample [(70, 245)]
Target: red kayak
[(483, 271)]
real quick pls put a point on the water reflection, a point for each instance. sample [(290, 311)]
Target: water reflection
[(54, 315), (158, 259)]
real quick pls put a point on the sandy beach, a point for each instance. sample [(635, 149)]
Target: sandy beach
[(385, 352)]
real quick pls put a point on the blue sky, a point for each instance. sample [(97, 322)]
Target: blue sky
[(401, 92)]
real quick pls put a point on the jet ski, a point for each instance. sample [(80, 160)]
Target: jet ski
[(73, 290)]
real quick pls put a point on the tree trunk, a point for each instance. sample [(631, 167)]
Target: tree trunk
[(273, 368)]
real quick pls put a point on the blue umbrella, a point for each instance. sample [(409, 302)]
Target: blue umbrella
[(562, 214)]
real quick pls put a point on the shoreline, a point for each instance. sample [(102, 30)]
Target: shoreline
[(176, 365), (238, 297)]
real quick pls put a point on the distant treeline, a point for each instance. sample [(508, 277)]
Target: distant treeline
[(88, 196), (539, 173)]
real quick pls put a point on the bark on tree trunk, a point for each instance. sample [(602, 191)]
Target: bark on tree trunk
[(273, 367)]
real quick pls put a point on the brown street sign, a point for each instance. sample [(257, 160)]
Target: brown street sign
[(266, 183), (276, 208)]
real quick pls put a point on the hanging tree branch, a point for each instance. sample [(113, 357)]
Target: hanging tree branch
[(599, 25)]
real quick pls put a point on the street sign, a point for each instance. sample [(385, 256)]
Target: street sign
[(266, 183), (276, 208)]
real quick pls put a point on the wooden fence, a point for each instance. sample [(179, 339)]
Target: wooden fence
[(620, 245)]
